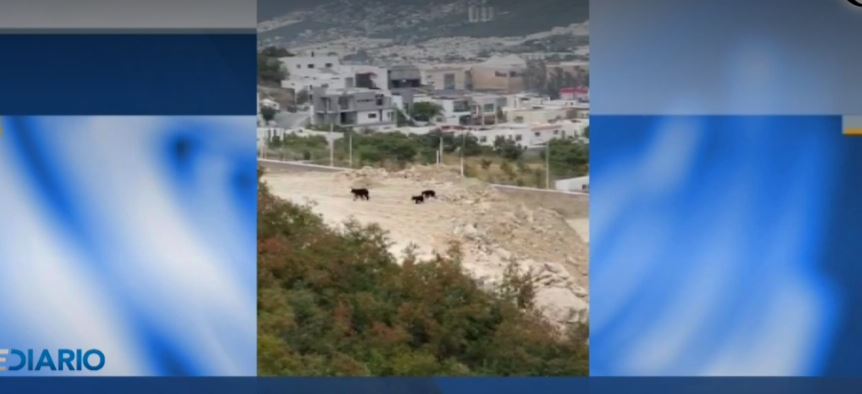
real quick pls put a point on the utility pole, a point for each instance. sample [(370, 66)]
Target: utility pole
[(331, 146), (350, 147), (440, 151), (463, 144), (548, 165)]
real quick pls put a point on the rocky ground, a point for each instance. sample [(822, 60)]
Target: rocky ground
[(534, 230)]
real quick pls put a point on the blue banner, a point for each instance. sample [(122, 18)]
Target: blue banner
[(432, 386), (128, 74)]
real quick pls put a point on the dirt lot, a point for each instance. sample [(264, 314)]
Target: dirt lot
[(535, 230)]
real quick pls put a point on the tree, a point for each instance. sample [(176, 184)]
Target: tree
[(569, 157), (536, 76), (268, 113), (507, 149), (270, 70), (501, 116), (275, 52), (558, 80), (302, 96), (425, 111)]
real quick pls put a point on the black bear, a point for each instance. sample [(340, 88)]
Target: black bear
[(429, 194), (360, 193), (418, 199)]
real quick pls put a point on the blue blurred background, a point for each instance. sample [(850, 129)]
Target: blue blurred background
[(725, 57), (132, 235), (724, 217), (725, 245)]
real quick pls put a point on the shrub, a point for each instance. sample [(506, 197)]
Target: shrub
[(336, 303)]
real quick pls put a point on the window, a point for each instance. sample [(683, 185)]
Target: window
[(538, 134), (380, 100), (449, 81), (461, 106), (372, 116), (518, 137), (311, 65), (328, 65), (344, 102)]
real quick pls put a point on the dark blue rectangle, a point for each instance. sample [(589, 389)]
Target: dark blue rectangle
[(128, 74), (430, 386)]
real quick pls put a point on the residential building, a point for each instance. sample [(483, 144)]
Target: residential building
[(404, 77), (365, 76), (308, 65), (486, 108), (337, 76), (353, 107), (529, 136), (457, 108), (446, 77), (581, 94), (538, 114), (499, 74)]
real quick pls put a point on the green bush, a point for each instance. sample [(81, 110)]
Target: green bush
[(569, 158), (507, 148)]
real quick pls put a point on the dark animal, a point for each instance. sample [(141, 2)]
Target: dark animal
[(429, 194), (360, 193), (418, 199)]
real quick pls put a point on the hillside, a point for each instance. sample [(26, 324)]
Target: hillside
[(494, 230), (336, 302), (413, 20)]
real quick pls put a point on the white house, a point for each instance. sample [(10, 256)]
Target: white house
[(355, 107), (333, 75), (306, 65), (454, 107), (529, 136), (323, 78)]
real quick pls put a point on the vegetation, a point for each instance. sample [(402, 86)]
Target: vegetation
[(540, 80), (505, 162), (425, 111), (302, 97), (269, 69), (268, 113), (292, 147), (569, 158), (336, 303), (507, 148)]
